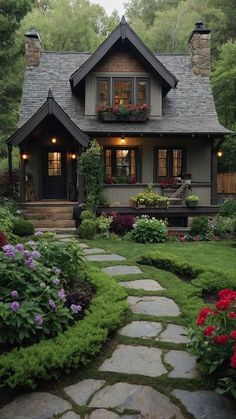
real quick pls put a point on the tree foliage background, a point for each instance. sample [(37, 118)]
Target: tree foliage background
[(164, 25)]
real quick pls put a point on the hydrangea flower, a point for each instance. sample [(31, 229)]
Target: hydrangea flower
[(9, 250), (56, 270), (14, 294), (56, 281), (31, 243), (20, 247), (35, 254), (42, 284), (38, 320), (75, 308), (38, 233), (62, 295), (26, 253), (52, 304), (30, 263), (15, 306)]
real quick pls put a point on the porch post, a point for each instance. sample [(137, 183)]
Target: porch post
[(214, 197), (9, 147), (22, 181), (81, 185)]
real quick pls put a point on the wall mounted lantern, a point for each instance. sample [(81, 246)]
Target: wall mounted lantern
[(54, 140)]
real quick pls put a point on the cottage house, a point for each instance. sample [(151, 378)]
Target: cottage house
[(154, 115)]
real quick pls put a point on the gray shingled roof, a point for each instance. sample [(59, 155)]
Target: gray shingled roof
[(188, 109)]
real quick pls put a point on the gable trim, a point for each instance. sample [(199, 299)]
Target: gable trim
[(50, 107), (123, 31)]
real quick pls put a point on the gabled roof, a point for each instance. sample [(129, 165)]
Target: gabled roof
[(50, 107), (125, 33)]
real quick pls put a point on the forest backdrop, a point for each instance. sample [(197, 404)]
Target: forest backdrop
[(78, 25)]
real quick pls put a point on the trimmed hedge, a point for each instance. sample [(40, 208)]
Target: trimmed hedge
[(202, 279), (49, 358)]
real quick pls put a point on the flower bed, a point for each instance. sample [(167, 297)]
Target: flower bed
[(214, 341), (72, 348)]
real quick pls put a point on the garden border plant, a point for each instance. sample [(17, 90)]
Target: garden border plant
[(202, 279), (75, 346)]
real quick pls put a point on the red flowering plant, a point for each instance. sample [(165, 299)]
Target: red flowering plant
[(213, 340), (124, 110), (168, 182)]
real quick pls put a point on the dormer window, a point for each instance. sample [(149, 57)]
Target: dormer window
[(123, 91)]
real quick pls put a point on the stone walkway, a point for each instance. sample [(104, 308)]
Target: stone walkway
[(101, 400)]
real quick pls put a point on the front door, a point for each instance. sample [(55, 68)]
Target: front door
[(54, 173)]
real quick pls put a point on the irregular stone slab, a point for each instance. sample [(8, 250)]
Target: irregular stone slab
[(35, 406), (104, 258), (141, 329), (70, 415), (122, 270), (143, 284), (83, 245), (140, 360), (81, 392), (154, 306), (102, 414), (144, 399), (93, 251), (183, 363), (206, 404), (174, 333)]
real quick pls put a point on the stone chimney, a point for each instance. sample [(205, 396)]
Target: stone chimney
[(199, 49), (33, 48)]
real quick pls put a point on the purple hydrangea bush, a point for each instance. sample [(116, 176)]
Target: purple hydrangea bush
[(34, 289)]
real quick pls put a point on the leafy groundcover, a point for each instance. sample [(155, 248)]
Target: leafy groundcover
[(72, 348)]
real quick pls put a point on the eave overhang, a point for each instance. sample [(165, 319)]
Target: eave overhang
[(124, 33), (50, 107)]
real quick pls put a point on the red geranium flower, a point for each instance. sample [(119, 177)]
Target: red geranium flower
[(232, 315), (227, 293), (221, 339), (209, 330), (233, 360), (223, 304), (233, 334)]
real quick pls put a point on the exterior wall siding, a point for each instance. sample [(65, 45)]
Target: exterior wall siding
[(120, 61), (198, 163)]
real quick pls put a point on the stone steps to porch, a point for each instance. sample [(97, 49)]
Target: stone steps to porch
[(47, 215)]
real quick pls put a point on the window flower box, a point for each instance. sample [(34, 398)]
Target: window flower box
[(132, 113)]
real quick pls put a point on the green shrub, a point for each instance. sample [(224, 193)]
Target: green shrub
[(22, 227), (199, 226), (222, 225), (103, 226), (228, 208), (6, 220), (87, 215), (149, 230), (31, 304), (213, 281), (87, 229), (67, 256), (171, 263), (72, 348)]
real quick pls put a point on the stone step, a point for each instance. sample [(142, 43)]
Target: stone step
[(48, 210), (57, 230), (49, 216), (53, 223)]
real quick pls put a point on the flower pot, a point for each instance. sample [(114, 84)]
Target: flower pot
[(110, 117), (186, 181), (191, 204), (162, 204)]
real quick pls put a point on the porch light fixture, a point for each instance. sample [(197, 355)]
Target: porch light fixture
[(219, 153), (122, 140), (73, 156), (24, 156), (54, 140)]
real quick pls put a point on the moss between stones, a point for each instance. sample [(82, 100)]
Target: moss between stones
[(46, 360)]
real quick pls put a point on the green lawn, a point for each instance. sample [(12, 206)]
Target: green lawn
[(218, 255)]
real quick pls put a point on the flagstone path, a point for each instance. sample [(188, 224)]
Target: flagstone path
[(98, 399)]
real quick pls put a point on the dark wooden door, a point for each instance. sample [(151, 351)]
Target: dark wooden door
[(54, 173)]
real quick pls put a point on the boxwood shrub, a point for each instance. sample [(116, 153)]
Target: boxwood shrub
[(25, 366), (203, 280)]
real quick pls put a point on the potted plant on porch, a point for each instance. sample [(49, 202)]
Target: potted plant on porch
[(192, 201), (186, 178)]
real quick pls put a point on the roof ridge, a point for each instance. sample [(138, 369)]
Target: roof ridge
[(67, 52)]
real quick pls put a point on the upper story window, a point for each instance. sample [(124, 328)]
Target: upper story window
[(123, 91)]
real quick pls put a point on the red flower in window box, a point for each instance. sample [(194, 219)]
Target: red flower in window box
[(170, 182), (123, 112)]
